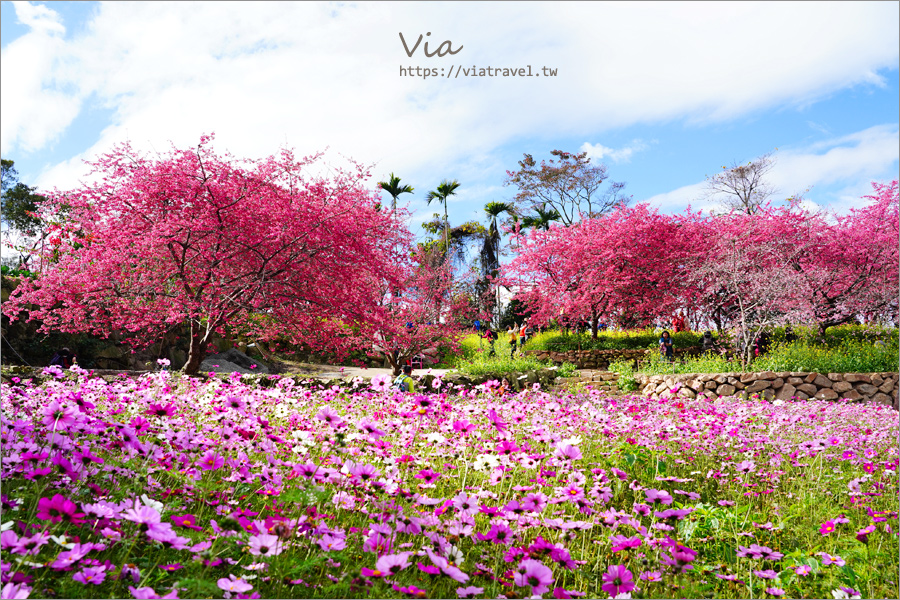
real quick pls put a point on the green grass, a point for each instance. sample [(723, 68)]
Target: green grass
[(844, 349), (849, 357), (636, 339), (474, 359)]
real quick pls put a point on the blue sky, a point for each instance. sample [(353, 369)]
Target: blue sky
[(663, 94)]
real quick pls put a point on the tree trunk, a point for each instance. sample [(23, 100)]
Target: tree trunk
[(594, 324), (197, 352)]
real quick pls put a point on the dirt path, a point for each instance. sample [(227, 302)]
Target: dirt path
[(334, 372)]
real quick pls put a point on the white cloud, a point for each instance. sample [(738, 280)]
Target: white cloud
[(598, 152), (315, 75), (39, 18), (850, 161), (34, 110)]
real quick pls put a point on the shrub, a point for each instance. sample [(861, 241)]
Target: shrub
[(627, 381), (849, 356)]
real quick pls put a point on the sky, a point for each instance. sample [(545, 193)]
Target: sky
[(664, 94)]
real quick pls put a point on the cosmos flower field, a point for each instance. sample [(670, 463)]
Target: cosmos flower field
[(167, 486)]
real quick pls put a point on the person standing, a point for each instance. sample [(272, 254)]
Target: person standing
[(63, 358), (491, 337), (523, 335), (513, 337), (404, 381), (666, 348)]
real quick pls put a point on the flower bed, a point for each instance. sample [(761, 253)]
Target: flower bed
[(186, 488)]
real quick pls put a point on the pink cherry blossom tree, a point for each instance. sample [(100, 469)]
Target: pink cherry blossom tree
[(194, 237), (747, 265), (627, 267), (851, 268), (417, 315)]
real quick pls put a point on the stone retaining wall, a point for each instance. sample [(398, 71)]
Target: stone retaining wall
[(877, 387), (601, 359)]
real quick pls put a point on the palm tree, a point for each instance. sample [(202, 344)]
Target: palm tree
[(490, 253), (441, 194), (393, 187), (542, 219)]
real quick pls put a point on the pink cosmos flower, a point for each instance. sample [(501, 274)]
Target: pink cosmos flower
[(863, 534), (446, 568), (827, 527), (568, 452), (391, 564), (15, 591), (331, 542), (767, 574), (535, 574), (265, 545), (59, 508), (828, 559), (660, 496), (211, 461), (233, 584), (59, 417), (621, 542), (90, 575), (617, 580)]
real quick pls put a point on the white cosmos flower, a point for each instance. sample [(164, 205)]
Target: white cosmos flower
[(484, 461)]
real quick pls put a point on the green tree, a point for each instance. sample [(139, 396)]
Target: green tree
[(490, 250), (392, 186), (569, 183), (542, 219), (19, 202), (442, 194)]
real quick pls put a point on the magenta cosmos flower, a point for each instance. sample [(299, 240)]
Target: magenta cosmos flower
[(617, 580), (59, 508)]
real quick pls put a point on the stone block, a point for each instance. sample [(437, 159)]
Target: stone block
[(725, 390), (768, 394), (777, 383), (857, 378), (739, 386), (710, 385), (786, 392), (711, 394), (822, 382), (783, 374), (748, 377), (842, 386), (795, 380), (836, 376), (758, 386), (866, 389), (687, 392), (801, 395), (811, 377), (808, 389), (883, 399), (720, 379), (887, 387), (851, 395), (827, 394), (769, 375), (877, 379)]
